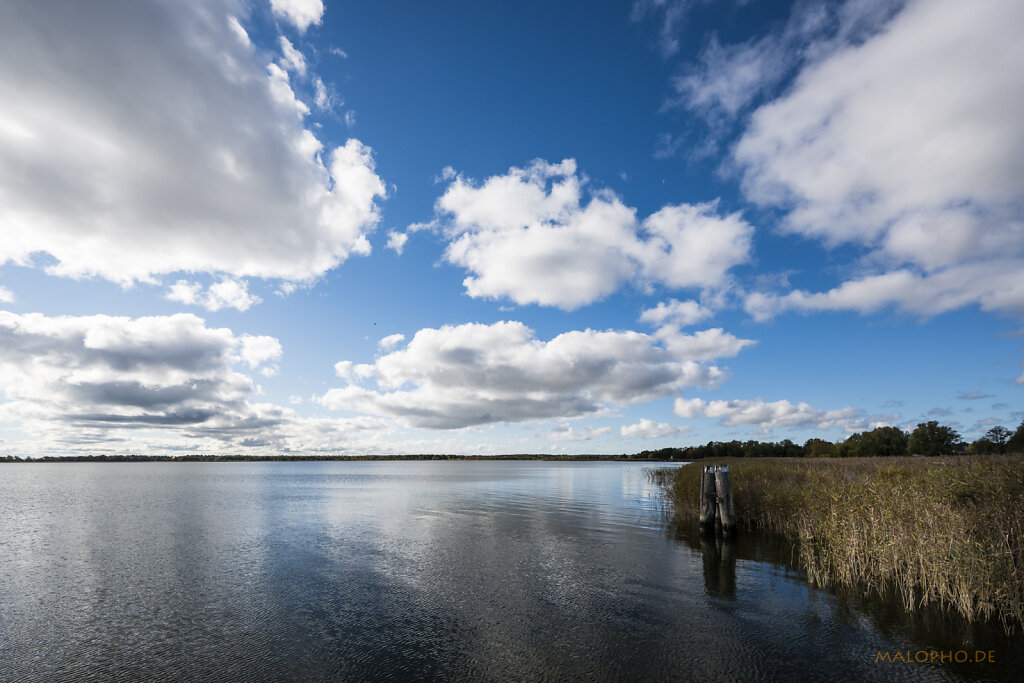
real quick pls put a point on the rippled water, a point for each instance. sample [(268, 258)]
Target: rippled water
[(414, 570)]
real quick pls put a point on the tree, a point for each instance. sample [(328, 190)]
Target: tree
[(884, 441), (999, 435), (931, 438), (1016, 442), (853, 447), (819, 448), (982, 447)]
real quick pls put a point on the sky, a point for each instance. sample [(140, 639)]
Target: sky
[(318, 226)]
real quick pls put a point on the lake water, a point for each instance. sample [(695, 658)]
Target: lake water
[(417, 570)]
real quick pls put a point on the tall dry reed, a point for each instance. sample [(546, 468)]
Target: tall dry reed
[(937, 530)]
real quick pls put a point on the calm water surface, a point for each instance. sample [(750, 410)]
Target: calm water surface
[(416, 570)]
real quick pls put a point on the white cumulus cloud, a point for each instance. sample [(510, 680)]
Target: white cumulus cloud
[(766, 414), (680, 313), (565, 432), (995, 285), (157, 384), (236, 27), (104, 373), (291, 58), (458, 376), (397, 240), (226, 293), (166, 145), (703, 345), (256, 350), (529, 236), (649, 429), (323, 97), (230, 294), (908, 143), (391, 341), (300, 13)]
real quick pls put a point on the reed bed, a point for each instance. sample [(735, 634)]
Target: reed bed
[(946, 531)]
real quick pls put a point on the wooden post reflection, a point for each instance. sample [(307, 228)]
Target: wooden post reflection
[(719, 556)]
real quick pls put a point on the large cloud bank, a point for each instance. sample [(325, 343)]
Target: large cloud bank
[(458, 376), (143, 138), (909, 144), (103, 371), (154, 384)]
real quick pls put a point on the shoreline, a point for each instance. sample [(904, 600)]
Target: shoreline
[(336, 458)]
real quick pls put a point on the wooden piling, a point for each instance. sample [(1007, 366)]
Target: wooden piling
[(708, 500), (726, 519), (716, 507)]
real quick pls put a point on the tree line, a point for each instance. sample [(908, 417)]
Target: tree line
[(928, 438)]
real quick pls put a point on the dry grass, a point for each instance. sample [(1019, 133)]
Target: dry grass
[(948, 531)]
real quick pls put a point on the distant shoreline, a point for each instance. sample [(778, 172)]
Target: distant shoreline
[(335, 458)]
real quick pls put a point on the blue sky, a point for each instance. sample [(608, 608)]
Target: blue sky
[(375, 227)]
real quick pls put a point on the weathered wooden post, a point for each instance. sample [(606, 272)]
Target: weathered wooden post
[(716, 507), (726, 512), (708, 499)]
